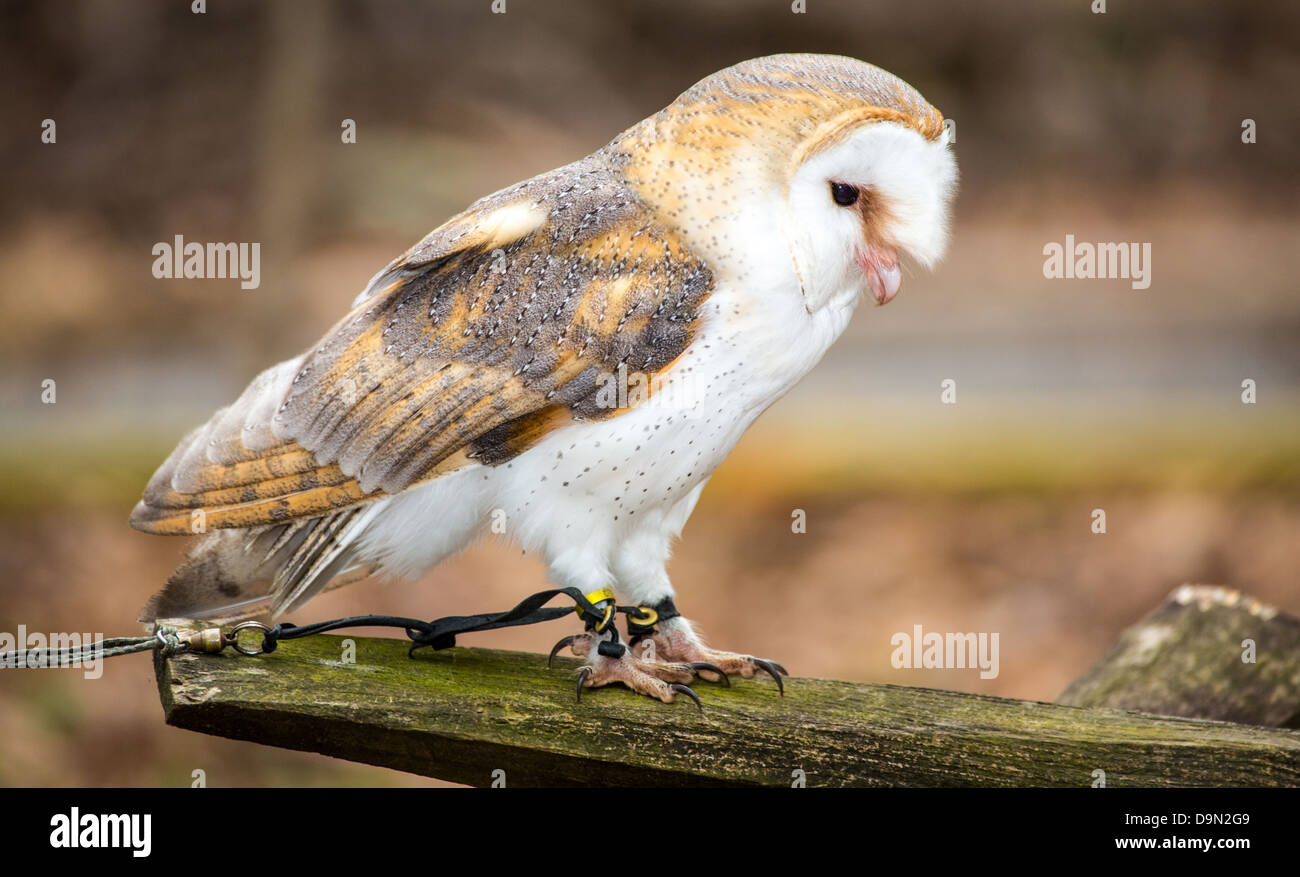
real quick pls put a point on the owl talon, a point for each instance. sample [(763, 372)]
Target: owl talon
[(555, 650), (772, 668), (677, 686), (712, 668)]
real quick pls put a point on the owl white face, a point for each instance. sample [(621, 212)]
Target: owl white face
[(855, 207)]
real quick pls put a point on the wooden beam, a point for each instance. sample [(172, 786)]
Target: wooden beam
[(465, 713)]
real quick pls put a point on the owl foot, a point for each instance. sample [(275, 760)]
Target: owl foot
[(610, 662), (677, 643)]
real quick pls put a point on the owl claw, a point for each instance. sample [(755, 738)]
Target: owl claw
[(677, 686), (712, 668), (774, 670), (555, 650)]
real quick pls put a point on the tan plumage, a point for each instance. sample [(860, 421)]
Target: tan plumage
[(484, 337)]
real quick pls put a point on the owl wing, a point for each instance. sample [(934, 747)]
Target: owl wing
[(494, 330)]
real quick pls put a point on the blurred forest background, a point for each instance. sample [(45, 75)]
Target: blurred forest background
[(1071, 395)]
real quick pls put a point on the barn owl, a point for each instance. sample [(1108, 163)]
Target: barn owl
[(571, 358)]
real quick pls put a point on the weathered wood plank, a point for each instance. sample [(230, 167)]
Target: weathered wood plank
[(1186, 659), (463, 713)]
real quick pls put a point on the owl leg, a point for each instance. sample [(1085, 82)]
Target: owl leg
[(674, 639)]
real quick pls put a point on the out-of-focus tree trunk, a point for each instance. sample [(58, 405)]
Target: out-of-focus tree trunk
[(1205, 653)]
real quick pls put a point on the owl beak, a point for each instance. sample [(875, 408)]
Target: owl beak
[(880, 264)]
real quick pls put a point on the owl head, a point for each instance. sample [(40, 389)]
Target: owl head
[(838, 165)]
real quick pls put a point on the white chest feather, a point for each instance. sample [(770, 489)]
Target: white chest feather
[(593, 497)]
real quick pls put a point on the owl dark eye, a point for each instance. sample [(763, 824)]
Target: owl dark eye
[(844, 194)]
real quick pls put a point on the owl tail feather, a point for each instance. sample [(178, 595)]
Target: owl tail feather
[(234, 575)]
